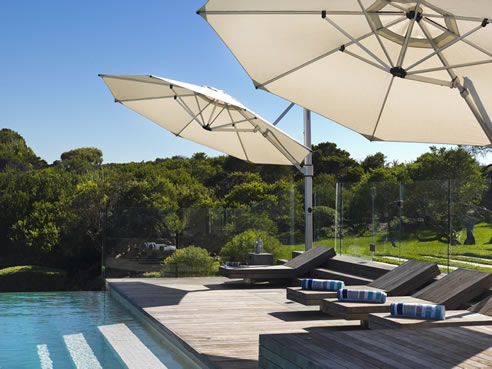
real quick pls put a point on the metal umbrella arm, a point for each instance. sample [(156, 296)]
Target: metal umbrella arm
[(273, 140), (473, 100), (343, 47)]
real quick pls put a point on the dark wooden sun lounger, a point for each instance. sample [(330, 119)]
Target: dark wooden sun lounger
[(294, 268), (478, 314), (403, 280), (453, 290)]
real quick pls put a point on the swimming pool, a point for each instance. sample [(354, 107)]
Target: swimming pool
[(64, 330)]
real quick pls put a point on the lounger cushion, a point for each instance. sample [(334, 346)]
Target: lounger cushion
[(321, 284), (422, 311), (346, 294)]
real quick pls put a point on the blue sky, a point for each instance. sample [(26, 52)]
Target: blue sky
[(53, 51)]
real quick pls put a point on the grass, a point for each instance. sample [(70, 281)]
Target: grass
[(31, 278), (30, 269), (411, 248)]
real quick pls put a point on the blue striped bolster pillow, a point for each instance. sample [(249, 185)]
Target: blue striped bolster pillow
[(321, 284), (361, 295), (423, 311)]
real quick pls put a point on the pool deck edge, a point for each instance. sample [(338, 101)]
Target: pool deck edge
[(177, 343)]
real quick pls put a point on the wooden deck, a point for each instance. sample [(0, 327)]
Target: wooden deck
[(220, 320), (454, 318), (452, 347)]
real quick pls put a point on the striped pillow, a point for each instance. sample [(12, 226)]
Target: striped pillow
[(321, 284), (346, 294), (423, 311)]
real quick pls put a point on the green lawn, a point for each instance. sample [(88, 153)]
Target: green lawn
[(31, 278), (411, 248)]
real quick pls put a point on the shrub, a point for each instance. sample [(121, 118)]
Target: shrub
[(191, 261), (238, 248)]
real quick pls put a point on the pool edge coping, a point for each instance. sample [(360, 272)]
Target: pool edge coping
[(169, 336)]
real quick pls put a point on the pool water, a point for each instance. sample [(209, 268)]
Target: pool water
[(59, 330)]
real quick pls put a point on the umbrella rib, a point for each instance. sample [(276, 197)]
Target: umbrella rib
[(275, 142), (194, 118), (280, 147), (382, 107), (472, 44), (364, 60), (375, 33), (449, 44), (147, 98), (238, 135), (441, 57), (211, 115), (233, 129), (404, 48), (126, 78), (328, 53), (198, 105), (230, 124), (457, 17), (473, 102), (292, 12), (433, 81), (346, 34), (456, 66), (220, 112)]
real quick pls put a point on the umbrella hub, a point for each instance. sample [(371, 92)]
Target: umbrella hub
[(411, 13), (444, 31)]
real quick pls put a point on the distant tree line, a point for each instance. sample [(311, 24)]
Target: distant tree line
[(56, 214)]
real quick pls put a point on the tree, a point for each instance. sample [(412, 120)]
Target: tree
[(83, 159), (377, 160), (453, 181), (327, 158), (14, 153)]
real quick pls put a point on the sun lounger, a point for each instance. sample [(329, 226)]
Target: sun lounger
[(479, 314), (294, 268), (453, 290), (403, 280)]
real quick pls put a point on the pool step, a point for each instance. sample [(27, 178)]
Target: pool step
[(44, 357), (131, 350), (82, 355)]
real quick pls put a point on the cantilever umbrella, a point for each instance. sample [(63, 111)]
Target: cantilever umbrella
[(414, 71), (207, 116)]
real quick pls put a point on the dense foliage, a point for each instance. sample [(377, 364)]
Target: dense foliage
[(62, 215), (238, 248), (190, 261)]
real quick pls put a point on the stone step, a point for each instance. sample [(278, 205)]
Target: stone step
[(130, 349)]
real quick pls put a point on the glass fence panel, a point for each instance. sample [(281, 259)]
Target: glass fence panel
[(154, 242), (449, 222), (386, 220), (324, 212), (354, 219), (426, 221), (471, 225)]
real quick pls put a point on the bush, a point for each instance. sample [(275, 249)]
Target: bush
[(31, 278), (191, 261), (239, 247)]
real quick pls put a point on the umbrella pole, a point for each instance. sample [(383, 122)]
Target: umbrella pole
[(308, 183)]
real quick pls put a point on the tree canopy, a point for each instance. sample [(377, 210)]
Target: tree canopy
[(60, 215)]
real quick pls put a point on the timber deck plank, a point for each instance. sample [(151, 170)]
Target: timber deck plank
[(221, 324), (444, 348)]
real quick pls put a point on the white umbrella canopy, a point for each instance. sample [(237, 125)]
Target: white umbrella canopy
[(206, 116), (412, 71)]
